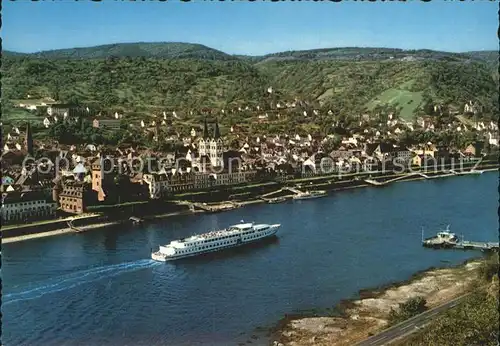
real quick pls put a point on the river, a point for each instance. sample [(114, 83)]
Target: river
[(101, 288)]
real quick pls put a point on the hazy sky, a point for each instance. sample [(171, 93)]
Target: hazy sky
[(252, 27)]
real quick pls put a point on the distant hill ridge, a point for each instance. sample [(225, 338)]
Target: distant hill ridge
[(148, 78), (166, 50), (181, 50)]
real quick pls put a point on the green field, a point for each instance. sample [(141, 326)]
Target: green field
[(406, 101), (19, 115)]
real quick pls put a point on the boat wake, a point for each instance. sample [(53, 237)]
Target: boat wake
[(75, 279)]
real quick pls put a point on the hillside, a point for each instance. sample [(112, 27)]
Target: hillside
[(489, 56), (348, 86), (355, 53), (133, 83), (152, 77), (176, 50), (164, 50), (375, 54)]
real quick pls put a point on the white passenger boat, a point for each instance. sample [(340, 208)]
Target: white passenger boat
[(310, 194), (236, 235)]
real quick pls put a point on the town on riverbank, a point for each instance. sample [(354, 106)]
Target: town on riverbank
[(45, 186), (218, 201)]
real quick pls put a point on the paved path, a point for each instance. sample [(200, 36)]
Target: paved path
[(409, 326)]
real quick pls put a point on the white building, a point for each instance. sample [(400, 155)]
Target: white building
[(493, 138), (91, 147), (207, 180), (233, 178), (471, 107), (18, 207), (56, 109), (203, 180), (350, 140), (157, 184)]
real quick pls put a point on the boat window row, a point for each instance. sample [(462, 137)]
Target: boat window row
[(208, 246), (240, 229), (228, 236), (219, 238), (210, 240)]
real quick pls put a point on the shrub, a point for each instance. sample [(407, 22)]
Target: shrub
[(488, 268), (408, 309)]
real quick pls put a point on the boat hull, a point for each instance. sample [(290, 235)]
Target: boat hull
[(157, 256), (442, 245), (274, 201), (298, 198)]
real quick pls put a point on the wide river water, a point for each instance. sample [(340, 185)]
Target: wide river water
[(101, 288)]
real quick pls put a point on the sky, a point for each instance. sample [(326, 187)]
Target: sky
[(252, 28)]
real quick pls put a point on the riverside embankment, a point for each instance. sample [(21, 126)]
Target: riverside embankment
[(107, 216), (83, 223)]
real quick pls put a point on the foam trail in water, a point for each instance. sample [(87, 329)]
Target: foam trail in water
[(76, 279)]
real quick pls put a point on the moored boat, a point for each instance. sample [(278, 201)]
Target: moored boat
[(236, 235), (472, 171), (212, 209), (276, 200), (442, 238), (310, 194), (136, 220)]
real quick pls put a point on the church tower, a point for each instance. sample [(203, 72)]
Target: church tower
[(216, 147), (205, 129), (29, 140), (216, 130), (204, 141)]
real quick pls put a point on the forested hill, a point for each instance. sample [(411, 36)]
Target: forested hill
[(165, 50), (176, 50), (147, 77), (358, 54)]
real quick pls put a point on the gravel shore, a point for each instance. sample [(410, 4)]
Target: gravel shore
[(369, 314)]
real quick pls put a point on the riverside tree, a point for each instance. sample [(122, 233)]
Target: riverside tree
[(408, 309)]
